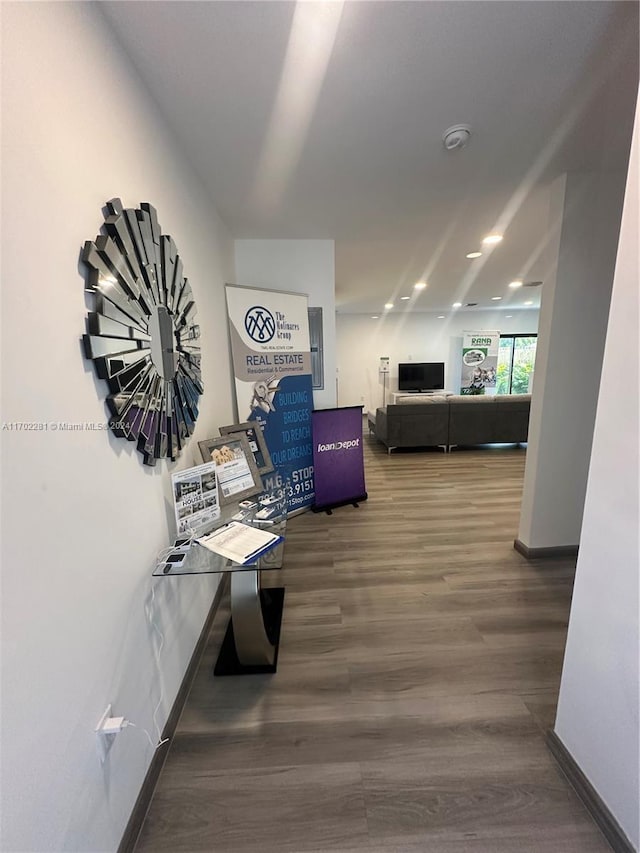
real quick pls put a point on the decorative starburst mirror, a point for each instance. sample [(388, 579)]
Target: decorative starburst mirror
[(142, 335)]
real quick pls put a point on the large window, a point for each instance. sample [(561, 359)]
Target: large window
[(516, 358)]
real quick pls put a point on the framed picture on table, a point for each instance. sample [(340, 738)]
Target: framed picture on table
[(257, 443), (236, 471)]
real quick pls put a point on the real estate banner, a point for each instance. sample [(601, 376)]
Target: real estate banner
[(479, 362), (271, 355), (338, 460)]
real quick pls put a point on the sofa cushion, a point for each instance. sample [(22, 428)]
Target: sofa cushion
[(422, 425), (410, 399), (471, 399), (472, 421), (511, 422), (514, 398), (381, 425)]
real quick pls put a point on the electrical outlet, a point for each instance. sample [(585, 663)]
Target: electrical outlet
[(104, 742)]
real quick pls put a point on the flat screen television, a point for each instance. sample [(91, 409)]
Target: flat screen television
[(425, 376)]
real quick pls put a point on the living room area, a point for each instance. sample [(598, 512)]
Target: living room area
[(406, 337), (373, 350)]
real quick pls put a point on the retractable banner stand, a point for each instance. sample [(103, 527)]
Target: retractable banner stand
[(271, 355), (338, 459), (479, 362)]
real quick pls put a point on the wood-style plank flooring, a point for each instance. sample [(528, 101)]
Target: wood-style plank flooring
[(419, 668)]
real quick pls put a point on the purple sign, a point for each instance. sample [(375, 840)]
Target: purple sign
[(338, 461)]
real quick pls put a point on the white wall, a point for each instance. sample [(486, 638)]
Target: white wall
[(361, 342), (598, 718), (584, 219), (82, 518), (299, 266)]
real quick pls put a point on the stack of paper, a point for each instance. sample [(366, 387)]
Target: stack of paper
[(239, 542)]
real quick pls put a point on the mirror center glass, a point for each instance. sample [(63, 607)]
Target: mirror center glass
[(163, 342)]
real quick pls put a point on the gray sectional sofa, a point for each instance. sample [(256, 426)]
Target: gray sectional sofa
[(454, 420)]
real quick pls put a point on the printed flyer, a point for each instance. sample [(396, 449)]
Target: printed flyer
[(232, 469), (479, 362), (195, 497), (272, 366)]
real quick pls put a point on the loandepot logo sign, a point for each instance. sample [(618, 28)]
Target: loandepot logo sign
[(339, 445), (260, 325)]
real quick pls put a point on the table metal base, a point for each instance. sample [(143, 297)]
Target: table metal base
[(250, 645)]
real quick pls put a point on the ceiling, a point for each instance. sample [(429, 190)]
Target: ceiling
[(325, 120)]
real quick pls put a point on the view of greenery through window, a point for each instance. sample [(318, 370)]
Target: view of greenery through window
[(516, 359)]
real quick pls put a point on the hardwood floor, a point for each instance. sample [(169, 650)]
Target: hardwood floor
[(419, 668)]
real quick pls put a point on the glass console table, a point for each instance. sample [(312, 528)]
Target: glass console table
[(251, 642)]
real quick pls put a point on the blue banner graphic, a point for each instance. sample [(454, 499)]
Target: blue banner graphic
[(287, 430), (272, 365)]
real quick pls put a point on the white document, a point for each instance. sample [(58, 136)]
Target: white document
[(234, 476), (239, 542), (195, 497)]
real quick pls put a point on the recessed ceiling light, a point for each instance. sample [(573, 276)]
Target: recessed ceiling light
[(529, 302), (388, 304), (441, 317), (474, 255), (508, 316), (375, 317), (516, 283), (457, 304), (491, 239), (404, 298), (420, 285), (496, 298)]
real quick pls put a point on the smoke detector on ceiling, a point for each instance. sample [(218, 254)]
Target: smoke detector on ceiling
[(456, 136)]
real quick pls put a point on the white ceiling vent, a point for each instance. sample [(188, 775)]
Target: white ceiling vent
[(456, 136)]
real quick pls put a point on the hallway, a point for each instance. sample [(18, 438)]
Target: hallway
[(419, 667)]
